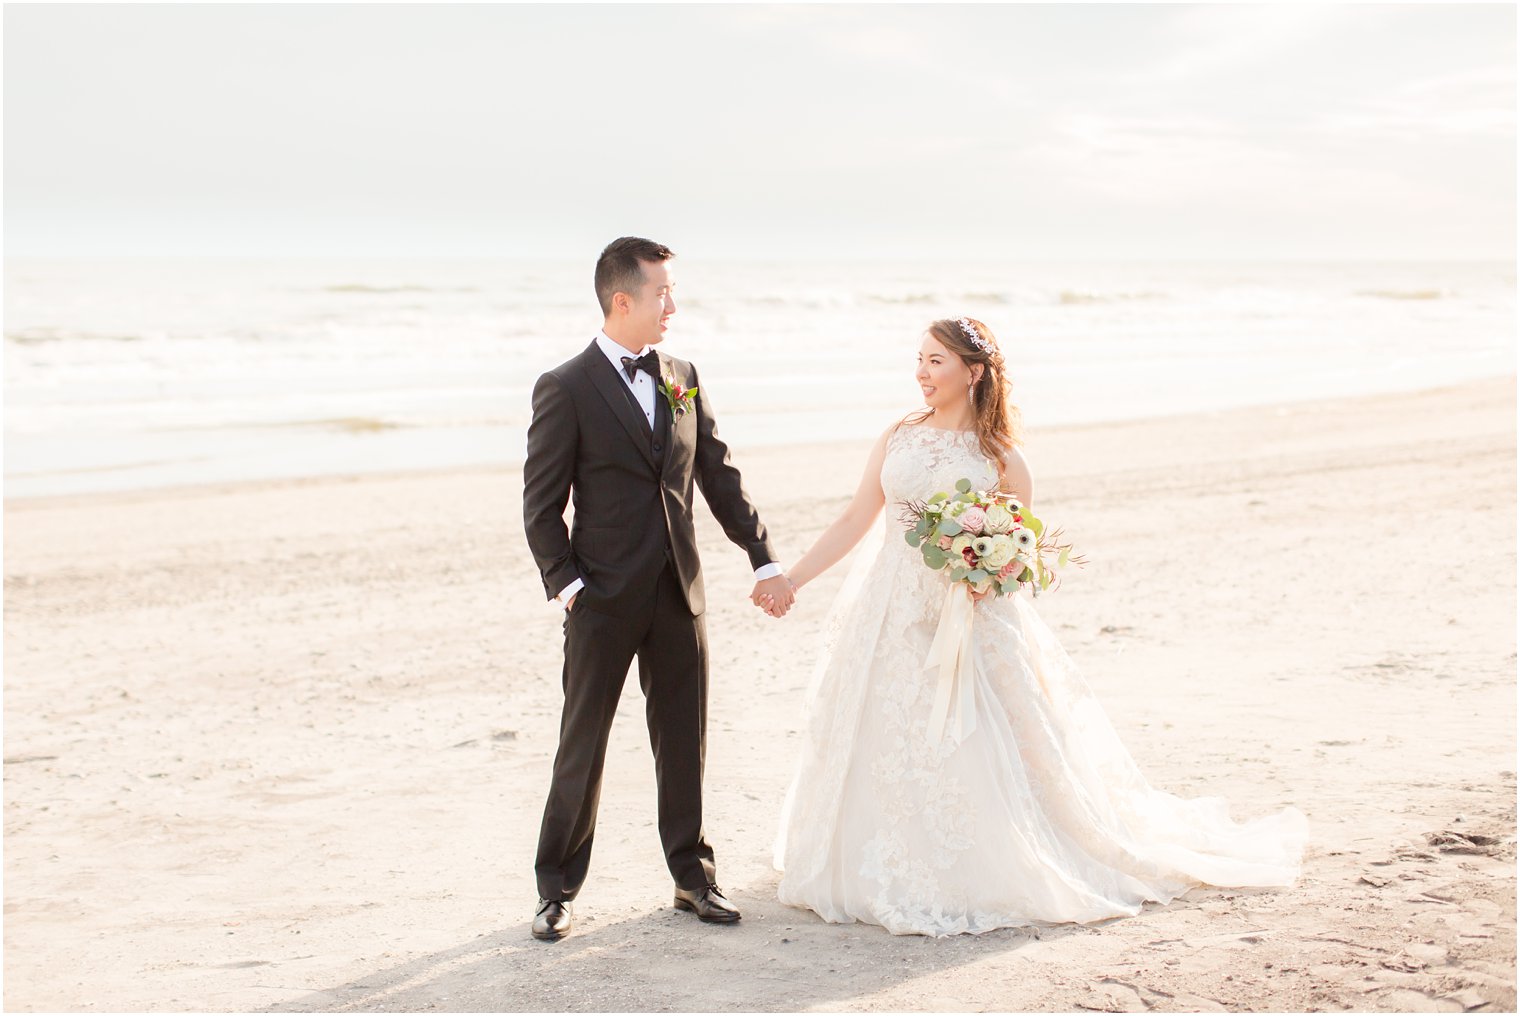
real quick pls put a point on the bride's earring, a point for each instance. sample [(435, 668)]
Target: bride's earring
[(971, 393)]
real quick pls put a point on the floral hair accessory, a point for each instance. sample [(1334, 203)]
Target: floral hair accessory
[(974, 337)]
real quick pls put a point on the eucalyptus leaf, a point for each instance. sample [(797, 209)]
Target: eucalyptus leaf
[(949, 527), (977, 575), (937, 498), (963, 485), (957, 573), (1065, 554), (913, 538), (934, 557)]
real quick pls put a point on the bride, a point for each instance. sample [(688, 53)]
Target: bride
[(1030, 810)]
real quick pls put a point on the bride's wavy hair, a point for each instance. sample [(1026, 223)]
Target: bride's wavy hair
[(999, 424)]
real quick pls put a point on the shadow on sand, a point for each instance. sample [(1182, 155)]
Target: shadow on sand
[(776, 959)]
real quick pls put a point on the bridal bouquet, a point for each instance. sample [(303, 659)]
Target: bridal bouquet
[(986, 540)]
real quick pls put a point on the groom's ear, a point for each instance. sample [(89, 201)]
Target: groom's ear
[(622, 303)]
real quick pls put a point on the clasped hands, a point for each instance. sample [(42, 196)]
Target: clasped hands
[(774, 595)]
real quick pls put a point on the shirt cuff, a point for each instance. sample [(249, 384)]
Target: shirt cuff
[(767, 571), (564, 594)]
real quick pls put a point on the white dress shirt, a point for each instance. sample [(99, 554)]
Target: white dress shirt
[(642, 386)]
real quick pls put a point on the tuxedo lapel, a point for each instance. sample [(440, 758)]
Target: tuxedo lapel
[(604, 378), (665, 433), (664, 416)]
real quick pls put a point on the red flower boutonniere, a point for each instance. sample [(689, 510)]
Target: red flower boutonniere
[(680, 398)]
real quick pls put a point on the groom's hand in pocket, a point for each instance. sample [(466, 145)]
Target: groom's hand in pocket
[(774, 595)]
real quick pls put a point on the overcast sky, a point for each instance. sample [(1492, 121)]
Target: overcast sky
[(1076, 131)]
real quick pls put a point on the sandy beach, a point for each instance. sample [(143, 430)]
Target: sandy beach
[(284, 745)]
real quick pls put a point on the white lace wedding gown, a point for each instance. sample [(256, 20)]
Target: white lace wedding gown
[(1039, 815)]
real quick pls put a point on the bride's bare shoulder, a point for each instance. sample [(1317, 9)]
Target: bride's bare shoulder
[(915, 418), (902, 423), (905, 423)]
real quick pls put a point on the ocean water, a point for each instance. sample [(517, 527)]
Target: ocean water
[(135, 373)]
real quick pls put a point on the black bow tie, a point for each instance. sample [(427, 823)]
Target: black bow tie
[(649, 363)]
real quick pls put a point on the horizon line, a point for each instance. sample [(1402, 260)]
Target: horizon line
[(1511, 258)]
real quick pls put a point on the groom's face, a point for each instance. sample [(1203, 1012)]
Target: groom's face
[(649, 309)]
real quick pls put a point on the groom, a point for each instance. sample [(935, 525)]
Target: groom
[(625, 431)]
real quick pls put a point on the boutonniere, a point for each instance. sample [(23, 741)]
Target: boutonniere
[(679, 397)]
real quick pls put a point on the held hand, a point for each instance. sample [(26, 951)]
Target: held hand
[(570, 603), (978, 597), (774, 595)]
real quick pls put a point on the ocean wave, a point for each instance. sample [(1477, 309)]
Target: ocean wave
[(947, 298), (1405, 294), (799, 301), (115, 467), (373, 424), (39, 336), (904, 298), (360, 287), (1087, 296), (764, 300), (350, 424)]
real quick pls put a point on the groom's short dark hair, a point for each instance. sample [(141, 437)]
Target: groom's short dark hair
[(618, 269)]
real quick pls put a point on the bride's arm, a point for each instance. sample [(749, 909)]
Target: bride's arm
[(1014, 477), (852, 524)]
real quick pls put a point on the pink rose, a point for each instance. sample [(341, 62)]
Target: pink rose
[(945, 543), (973, 520)]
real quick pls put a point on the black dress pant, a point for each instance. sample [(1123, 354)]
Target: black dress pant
[(671, 647)]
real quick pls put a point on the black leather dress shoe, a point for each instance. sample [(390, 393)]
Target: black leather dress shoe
[(708, 904), (552, 920)]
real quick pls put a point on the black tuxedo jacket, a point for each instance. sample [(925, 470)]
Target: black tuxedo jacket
[(631, 485)]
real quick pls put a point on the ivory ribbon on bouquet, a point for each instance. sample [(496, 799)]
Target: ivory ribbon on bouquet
[(951, 652)]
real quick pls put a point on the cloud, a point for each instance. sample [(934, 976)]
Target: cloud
[(498, 129), (1205, 40), (1478, 101)]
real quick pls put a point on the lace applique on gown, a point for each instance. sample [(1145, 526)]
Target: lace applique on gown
[(1038, 816)]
